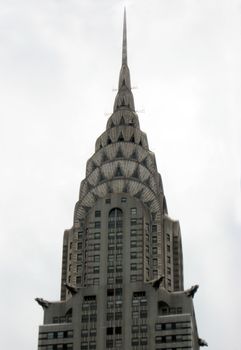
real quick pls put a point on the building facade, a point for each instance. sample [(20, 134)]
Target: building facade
[(122, 266)]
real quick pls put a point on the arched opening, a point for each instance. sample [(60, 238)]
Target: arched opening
[(68, 316), (163, 308)]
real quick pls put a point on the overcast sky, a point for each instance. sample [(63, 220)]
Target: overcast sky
[(59, 64)]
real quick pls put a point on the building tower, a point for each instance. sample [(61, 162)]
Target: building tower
[(122, 270)]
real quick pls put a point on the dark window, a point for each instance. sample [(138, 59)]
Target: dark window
[(118, 315), (123, 200), (135, 341), (97, 224), (118, 291), (110, 292), (133, 221), (118, 330), (97, 213), (109, 330), (135, 329), (107, 201), (109, 343), (143, 314)]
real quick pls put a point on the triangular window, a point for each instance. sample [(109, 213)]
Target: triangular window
[(109, 140), (121, 138), (104, 158), (101, 177), (119, 154), (132, 139), (144, 162), (136, 174), (134, 155), (118, 171), (122, 121)]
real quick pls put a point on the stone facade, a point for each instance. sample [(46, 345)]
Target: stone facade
[(122, 270)]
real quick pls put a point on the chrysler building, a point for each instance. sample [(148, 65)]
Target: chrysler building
[(122, 265)]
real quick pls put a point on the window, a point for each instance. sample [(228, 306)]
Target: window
[(118, 303), (143, 314), (110, 292), (135, 341), (109, 343), (133, 221), (133, 211), (97, 213), (85, 318), (84, 346), (93, 318), (97, 235), (118, 291), (118, 268), (96, 258), (133, 266), (107, 201), (111, 257), (110, 280), (84, 333), (154, 250), (96, 269), (118, 280), (118, 315), (92, 345), (92, 332), (96, 281), (119, 246), (118, 342), (143, 328), (154, 239), (97, 224), (97, 246), (109, 330), (135, 329), (118, 330), (143, 341), (123, 200), (133, 233), (154, 228), (110, 316), (160, 340), (133, 244), (110, 269)]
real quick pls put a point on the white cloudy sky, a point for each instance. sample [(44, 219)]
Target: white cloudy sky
[(59, 61)]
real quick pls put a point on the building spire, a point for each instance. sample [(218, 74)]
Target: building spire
[(124, 42), (124, 98)]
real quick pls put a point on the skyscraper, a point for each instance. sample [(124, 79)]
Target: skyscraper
[(122, 267)]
